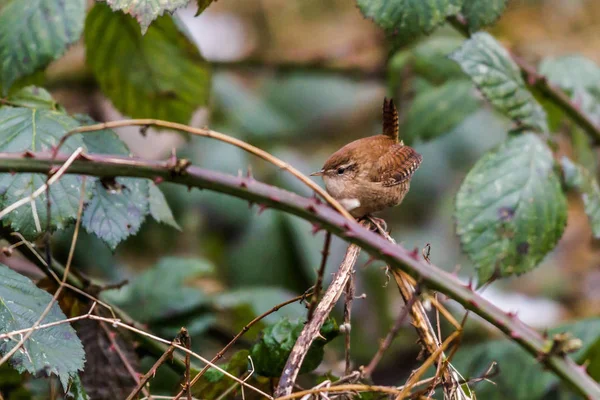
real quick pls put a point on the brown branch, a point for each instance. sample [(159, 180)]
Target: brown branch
[(349, 297), (311, 210), (312, 328), (541, 83), (314, 300), (186, 340)]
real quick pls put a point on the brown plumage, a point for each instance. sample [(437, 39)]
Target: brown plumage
[(373, 173)]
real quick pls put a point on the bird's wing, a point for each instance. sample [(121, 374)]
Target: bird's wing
[(396, 166)]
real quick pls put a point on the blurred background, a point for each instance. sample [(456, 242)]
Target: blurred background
[(301, 78)]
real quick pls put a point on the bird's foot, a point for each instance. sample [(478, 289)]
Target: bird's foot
[(377, 224)]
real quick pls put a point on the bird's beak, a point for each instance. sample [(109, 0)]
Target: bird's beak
[(318, 173)]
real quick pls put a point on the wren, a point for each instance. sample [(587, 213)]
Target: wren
[(373, 173)]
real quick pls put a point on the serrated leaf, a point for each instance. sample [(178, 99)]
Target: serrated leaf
[(160, 75), (169, 295), (34, 97), (203, 5), (407, 19), (23, 129), (498, 77), (54, 350), (104, 141), (76, 390), (438, 110), (159, 208), (510, 209), (272, 350), (572, 72), (117, 210), (521, 377), (580, 179), (482, 13), (146, 11), (35, 32)]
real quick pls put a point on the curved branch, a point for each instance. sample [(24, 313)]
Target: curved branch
[(315, 211)]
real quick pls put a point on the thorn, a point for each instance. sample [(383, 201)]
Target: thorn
[(7, 251), (144, 130), (316, 228), (28, 154), (470, 284), (515, 335), (311, 208), (414, 254), (243, 184), (369, 261), (249, 173), (319, 336), (261, 208), (158, 180), (512, 314)]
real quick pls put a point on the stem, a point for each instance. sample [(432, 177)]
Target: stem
[(539, 82), (314, 211)]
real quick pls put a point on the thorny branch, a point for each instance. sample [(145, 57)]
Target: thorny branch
[(320, 274), (313, 211)]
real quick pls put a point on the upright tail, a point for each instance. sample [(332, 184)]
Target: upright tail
[(390, 119)]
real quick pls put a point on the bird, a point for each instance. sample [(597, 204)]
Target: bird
[(371, 174)]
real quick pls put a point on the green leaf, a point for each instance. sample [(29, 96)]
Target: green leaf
[(117, 209), (272, 350), (24, 129), (169, 296), (438, 110), (35, 32), (407, 19), (104, 141), (431, 59), (572, 72), (159, 208), (203, 5), (510, 209), (34, 97), (160, 75), (76, 390), (580, 179), (54, 350), (146, 11), (482, 13), (214, 383), (498, 77), (520, 376)]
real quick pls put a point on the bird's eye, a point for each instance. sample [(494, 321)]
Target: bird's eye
[(341, 170)]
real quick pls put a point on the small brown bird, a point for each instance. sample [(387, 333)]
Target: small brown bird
[(373, 173)]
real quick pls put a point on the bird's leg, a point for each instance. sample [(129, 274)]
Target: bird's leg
[(378, 223)]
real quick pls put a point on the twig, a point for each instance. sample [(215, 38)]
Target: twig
[(320, 274), (395, 256), (186, 340), (25, 337), (389, 338), (55, 177), (349, 297), (311, 330), (214, 135), (152, 371), (540, 82), (245, 329)]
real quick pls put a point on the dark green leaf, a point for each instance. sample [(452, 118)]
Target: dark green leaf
[(34, 97), (76, 390), (407, 19), (431, 59), (203, 5), (117, 209), (271, 352), (169, 295), (499, 79), (160, 75), (23, 129), (572, 72), (35, 32), (159, 208), (440, 109), (54, 350), (482, 13), (582, 148), (521, 377), (146, 11), (510, 209), (105, 141), (580, 179)]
